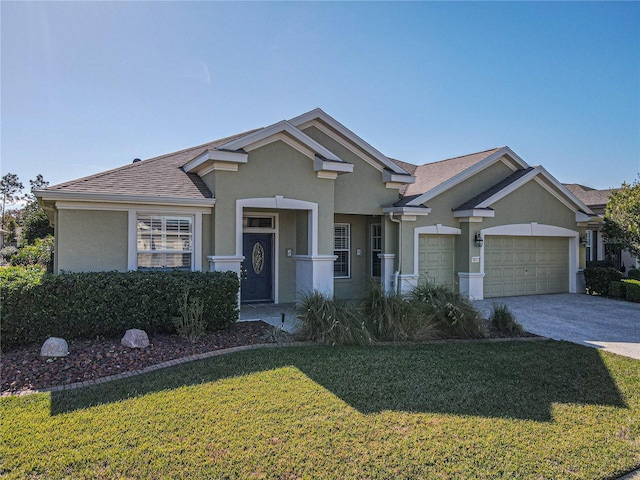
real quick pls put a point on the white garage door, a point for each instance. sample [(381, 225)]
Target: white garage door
[(435, 259), (525, 265)]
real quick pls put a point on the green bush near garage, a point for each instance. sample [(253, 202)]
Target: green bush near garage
[(599, 278), (632, 290), (617, 289), (35, 305)]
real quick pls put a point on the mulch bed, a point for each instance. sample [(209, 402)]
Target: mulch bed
[(24, 369)]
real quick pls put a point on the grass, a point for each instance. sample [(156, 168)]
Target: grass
[(490, 410)]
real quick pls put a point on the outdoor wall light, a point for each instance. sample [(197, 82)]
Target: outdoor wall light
[(478, 240), (583, 240)]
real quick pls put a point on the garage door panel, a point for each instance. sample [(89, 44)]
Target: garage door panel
[(436, 258), (526, 265)]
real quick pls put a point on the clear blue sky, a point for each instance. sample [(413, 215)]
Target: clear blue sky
[(88, 86)]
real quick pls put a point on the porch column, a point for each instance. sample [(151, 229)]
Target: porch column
[(226, 263), (314, 273), (386, 270)]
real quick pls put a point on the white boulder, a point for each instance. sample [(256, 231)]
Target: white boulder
[(54, 347), (135, 338)]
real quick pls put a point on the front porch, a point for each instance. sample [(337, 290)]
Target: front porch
[(271, 313)]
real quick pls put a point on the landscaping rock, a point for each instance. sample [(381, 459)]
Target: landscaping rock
[(135, 338), (54, 347)]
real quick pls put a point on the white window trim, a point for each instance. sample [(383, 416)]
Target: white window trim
[(132, 230), (348, 250)]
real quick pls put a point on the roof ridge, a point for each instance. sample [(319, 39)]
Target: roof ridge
[(462, 156)]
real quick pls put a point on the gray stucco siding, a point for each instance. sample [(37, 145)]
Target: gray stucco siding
[(360, 192), (274, 169), (91, 240)]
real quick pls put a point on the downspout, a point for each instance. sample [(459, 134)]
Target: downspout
[(396, 286)]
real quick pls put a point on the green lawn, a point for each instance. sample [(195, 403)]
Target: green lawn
[(539, 410)]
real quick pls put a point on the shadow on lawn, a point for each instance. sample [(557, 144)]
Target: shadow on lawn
[(518, 380)]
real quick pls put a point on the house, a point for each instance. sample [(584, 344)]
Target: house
[(597, 248), (306, 204)]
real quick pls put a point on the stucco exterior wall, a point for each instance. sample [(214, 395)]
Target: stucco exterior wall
[(274, 169), (360, 192), (91, 240), (350, 288), (287, 265), (207, 240)]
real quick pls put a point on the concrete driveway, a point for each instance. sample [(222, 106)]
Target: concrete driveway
[(612, 325)]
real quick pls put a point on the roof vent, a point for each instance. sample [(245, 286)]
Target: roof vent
[(136, 160)]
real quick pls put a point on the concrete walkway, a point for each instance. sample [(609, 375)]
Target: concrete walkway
[(613, 325), (272, 314)]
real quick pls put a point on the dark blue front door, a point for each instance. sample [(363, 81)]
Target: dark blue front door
[(256, 275)]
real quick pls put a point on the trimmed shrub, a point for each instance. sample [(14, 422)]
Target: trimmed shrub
[(35, 306), (617, 289), (634, 274), (332, 322), (632, 290), (502, 320), (598, 279), (450, 313)]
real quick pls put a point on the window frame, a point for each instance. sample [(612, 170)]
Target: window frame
[(375, 251), (347, 249), (163, 250)]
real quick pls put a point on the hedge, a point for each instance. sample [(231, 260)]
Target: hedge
[(632, 290), (35, 305), (617, 289), (634, 274), (598, 279)]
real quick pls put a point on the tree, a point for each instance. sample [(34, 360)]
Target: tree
[(38, 184), (35, 224), (622, 217), (10, 189)]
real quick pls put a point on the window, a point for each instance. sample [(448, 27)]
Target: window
[(164, 242), (341, 247), (589, 245), (376, 248)]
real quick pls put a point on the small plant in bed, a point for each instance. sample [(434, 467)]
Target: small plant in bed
[(503, 322)]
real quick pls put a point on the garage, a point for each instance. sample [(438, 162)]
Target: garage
[(435, 259), (525, 265)]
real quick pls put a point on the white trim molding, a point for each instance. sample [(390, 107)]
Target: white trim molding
[(283, 126), (314, 273), (215, 160), (471, 285), (66, 199), (279, 202), (317, 115), (475, 213), (437, 229), (535, 229), (132, 235)]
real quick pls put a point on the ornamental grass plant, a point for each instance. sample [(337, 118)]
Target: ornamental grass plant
[(503, 321), (333, 322), (453, 315)]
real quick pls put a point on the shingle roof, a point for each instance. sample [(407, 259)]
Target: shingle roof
[(159, 176), (488, 193), (430, 175), (589, 196)]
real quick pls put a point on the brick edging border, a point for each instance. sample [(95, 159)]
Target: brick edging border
[(242, 348)]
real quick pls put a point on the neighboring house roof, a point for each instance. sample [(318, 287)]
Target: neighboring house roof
[(590, 196), (159, 176)]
